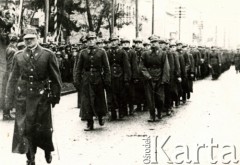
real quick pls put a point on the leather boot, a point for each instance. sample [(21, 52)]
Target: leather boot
[(101, 121), (48, 157), (113, 115), (89, 125)]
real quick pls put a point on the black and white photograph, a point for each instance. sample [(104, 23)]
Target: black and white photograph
[(119, 82)]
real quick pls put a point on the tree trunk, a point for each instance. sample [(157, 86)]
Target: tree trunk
[(90, 22), (100, 21)]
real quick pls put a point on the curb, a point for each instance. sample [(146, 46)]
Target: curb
[(68, 92)]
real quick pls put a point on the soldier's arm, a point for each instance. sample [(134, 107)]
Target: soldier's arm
[(143, 68), (55, 77), (79, 70), (134, 66), (12, 82), (177, 66), (165, 70), (106, 69), (126, 67), (75, 67)]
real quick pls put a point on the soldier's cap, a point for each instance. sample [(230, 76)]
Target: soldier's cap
[(172, 44), (184, 45), (106, 41), (13, 37), (114, 37), (154, 38), (58, 53), (214, 47), (137, 40), (20, 44), (91, 35), (74, 48), (99, 41), (178, 43), (30, 33), (145, 43), (125, 40), (162, 41)]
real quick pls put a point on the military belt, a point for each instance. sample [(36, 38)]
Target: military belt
[(33, 78), (92, 69)]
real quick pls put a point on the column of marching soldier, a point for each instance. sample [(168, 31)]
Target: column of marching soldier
[(111, 77), (153, 75), (116, 79)]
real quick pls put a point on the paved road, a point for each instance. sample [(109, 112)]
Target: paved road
[(211, 118)]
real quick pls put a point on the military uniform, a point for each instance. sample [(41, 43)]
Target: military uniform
[(31, 73), (92, 76), (155, 68), (215, 61), (120, 76), (130, 89), (10, 51)]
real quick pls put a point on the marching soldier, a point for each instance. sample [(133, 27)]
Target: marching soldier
[(215, 62), (33, 69), (120, 77), (133, 69), (184, 67), (170, 88), (92, 76), (139, 93), (236, 60), (155, 68), (10, 51), (175, 75)]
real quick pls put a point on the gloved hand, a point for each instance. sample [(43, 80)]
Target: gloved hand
[(54, 100), (179, 79)]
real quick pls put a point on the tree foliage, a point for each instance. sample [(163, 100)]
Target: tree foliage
[(98, 14)]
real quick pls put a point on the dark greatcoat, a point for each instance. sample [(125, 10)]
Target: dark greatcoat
[(31, 77), (92, 76), (120, 74), (236, 60), (156, 70), (10, 51), (129, 90), (214, 60), (139, 92)]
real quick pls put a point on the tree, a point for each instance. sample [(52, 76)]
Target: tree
[(99, 14)]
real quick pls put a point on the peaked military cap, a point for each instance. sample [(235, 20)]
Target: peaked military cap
[(137, 40), (91, 35), (154, 38), (99, 41), (124, 40), (30, 33)]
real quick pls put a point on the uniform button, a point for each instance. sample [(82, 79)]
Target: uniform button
[(31, 82), (30, 89), (91, 56), (31, 69)]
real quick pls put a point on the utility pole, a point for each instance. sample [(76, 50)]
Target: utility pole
[(46, 20), (113, 12), (137, 27), (180, 14), (152, 16), (6, 4)]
